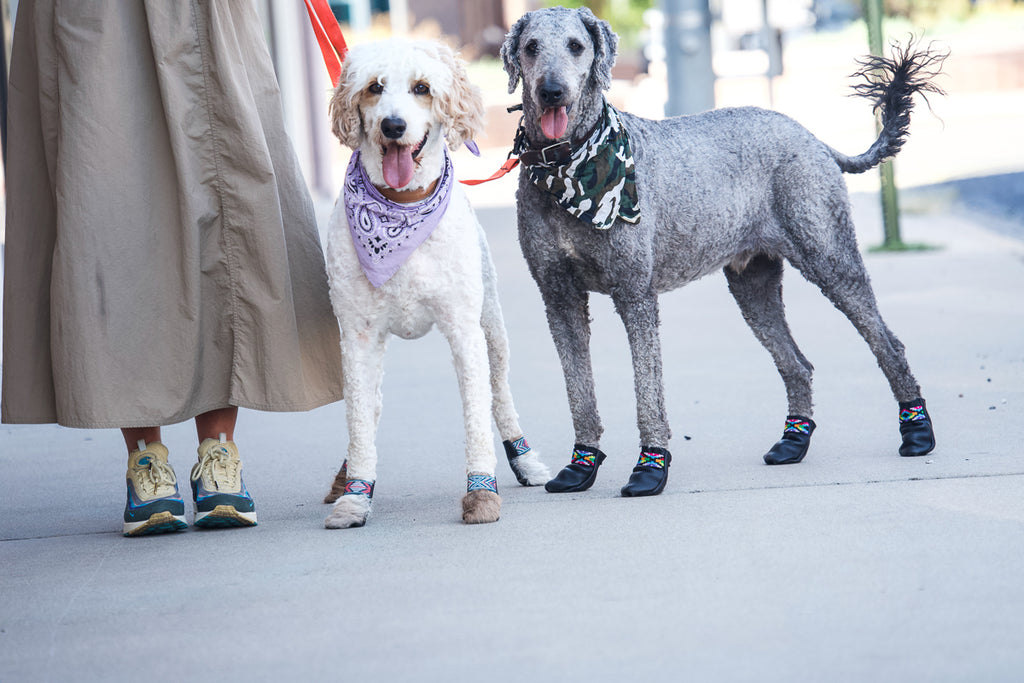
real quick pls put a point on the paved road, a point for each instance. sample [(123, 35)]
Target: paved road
[(855, 565)]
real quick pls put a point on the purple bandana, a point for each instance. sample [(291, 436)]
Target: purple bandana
[(386, 233)]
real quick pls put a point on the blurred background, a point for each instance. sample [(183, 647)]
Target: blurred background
[(684, 56), (965, 150)]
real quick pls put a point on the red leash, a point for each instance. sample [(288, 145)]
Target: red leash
[(328, 35), (333, 48), (505, 169)]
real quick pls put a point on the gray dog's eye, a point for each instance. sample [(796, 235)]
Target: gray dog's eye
[(575, 47), (531, 48)]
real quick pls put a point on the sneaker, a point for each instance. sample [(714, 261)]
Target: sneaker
[(217, 487), (154, 505)]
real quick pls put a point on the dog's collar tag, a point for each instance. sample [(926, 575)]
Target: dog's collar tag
[(386, 233)]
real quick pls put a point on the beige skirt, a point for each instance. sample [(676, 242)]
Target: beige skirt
[(162, 257)]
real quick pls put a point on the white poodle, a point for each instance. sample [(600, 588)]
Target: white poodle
[(405, 252)]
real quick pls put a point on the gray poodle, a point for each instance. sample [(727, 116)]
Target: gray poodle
[(613, 203)]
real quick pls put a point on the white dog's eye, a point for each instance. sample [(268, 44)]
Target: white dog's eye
[(375, 88), (421, 89)]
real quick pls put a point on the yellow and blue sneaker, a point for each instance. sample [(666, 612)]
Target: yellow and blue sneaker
[(217, 488), (154, 505)]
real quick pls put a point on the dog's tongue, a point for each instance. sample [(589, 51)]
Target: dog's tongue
[(398, 166), (554, 122)]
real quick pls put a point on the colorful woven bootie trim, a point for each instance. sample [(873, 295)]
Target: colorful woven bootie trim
[(585, 458), (520, 446), (913, 413), (481, 482), (358, 487), (797, 425), (652, 460)]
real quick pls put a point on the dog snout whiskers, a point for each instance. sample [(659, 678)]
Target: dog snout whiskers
[(393, 127)]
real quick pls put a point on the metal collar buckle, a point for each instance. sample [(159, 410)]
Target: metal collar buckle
[(557, 157)]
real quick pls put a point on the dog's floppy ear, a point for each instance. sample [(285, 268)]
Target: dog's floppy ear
[(460, 105), (606, 46), (510, 53), (344, 109)]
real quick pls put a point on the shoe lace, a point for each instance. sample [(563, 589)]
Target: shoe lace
[(218, 467), (159, 474)]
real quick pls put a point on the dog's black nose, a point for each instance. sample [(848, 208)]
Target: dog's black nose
[(392, 127), (551, 94)]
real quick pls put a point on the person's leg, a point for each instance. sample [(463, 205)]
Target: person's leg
[(212, 424), (132, 436)]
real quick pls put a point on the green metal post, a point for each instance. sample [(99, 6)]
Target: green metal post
[(890, 200)]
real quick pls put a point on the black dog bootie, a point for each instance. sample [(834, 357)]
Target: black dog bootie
[(650, 474), (916, 429), (513, 449), (792, 447), (579, 475)]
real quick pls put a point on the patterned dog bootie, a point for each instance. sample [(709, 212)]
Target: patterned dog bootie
[(481, 504), (513, 451), (580, 474), (792, 447), (352, 508), (916, 429), (359, 487), (650, 474)]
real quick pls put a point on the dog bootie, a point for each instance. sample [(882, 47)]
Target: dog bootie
[(792, 447), (579, 475), (916, 429), (352, 508), (514, 449), (650, 474)]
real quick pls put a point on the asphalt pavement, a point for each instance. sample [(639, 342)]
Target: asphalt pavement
[(854, 565)]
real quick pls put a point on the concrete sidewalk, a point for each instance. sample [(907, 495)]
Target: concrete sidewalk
[(854, 565)]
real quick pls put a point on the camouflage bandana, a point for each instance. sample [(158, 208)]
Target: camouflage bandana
[(598, 182)]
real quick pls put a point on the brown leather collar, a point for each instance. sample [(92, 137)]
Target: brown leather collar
[(555, 154), (407, 196)]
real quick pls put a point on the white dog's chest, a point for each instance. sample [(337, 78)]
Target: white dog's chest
[(441, 279)]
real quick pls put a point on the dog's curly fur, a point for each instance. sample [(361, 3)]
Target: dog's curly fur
[(741, 190), (448, 281)]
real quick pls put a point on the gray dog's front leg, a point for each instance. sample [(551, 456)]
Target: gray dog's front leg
[(640, 317), (569, 319)]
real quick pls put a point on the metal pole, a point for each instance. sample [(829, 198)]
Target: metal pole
[(890, 198), (691, 78)]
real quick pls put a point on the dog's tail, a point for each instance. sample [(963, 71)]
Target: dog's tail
[(891, 84)]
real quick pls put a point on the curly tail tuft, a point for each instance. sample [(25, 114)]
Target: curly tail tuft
[(891, 83)]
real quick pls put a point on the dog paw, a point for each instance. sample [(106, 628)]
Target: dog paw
[(348, 512), (338, 485), (529, 470), (481, 507)]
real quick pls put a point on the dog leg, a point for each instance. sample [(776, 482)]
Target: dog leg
[(469, 352), (569, 320), (362, 356), (758, 291), (640, 316), (843, 278), (525, 464)]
